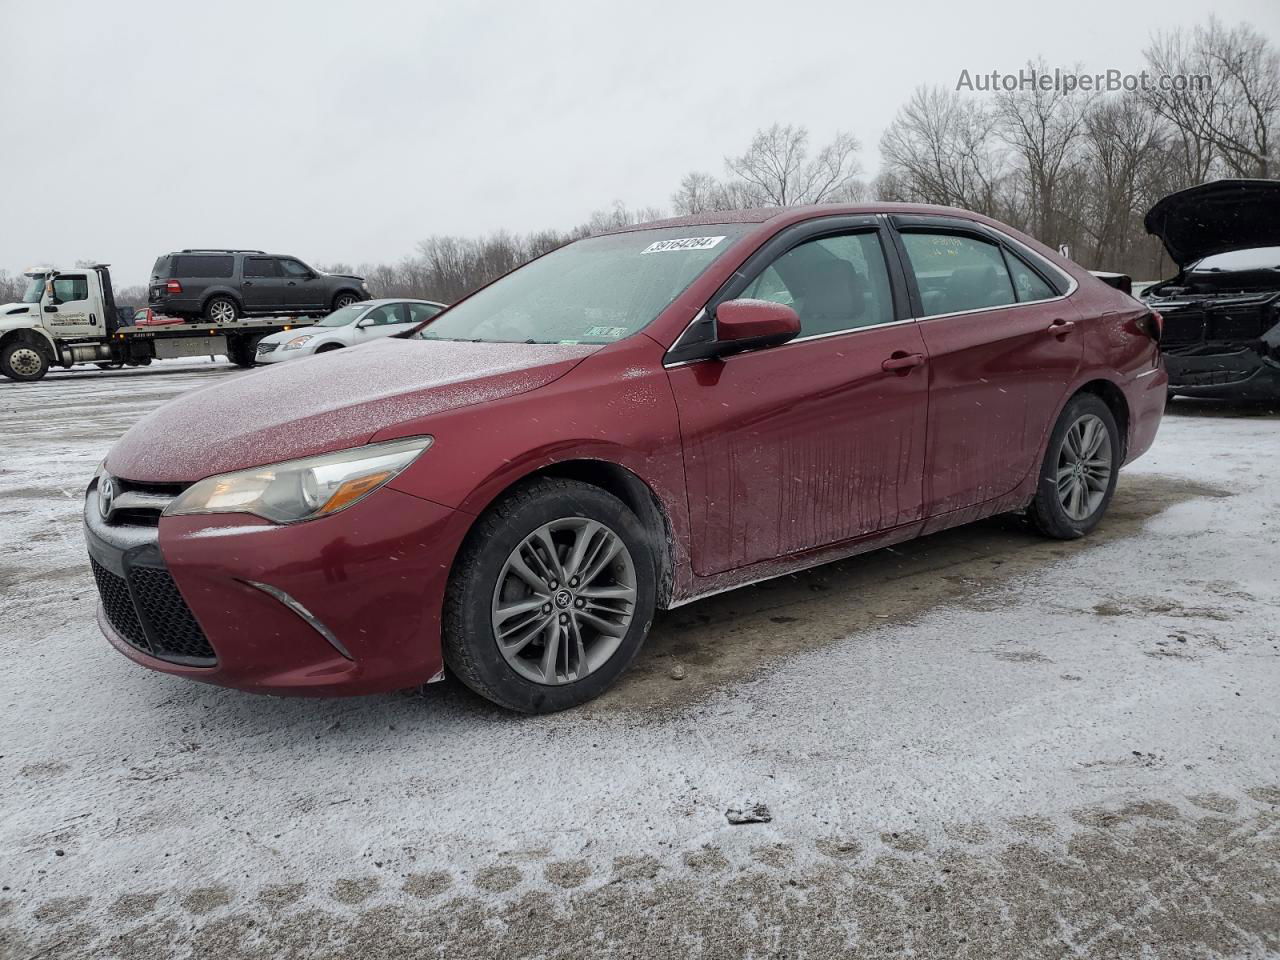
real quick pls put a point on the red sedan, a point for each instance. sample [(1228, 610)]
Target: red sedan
[(631, 422)]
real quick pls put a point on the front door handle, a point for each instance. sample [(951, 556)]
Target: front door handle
[(902, 362), (1061, 328)]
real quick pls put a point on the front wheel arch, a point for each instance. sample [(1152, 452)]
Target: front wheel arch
[(634, 492)]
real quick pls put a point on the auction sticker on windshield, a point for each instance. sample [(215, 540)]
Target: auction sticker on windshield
[(682, 243)]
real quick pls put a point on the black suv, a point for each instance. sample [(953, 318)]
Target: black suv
[(223, 285)]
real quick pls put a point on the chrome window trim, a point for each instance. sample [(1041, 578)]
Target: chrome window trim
[(1072, 286), (782, 346)]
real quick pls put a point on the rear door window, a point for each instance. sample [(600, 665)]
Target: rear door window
[(955, 272), (201, 266), (1028, 284), (422, 311), (261, 267)]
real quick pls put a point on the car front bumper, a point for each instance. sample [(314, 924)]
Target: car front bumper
[(348, 604), (1226, 371), (276, 353)]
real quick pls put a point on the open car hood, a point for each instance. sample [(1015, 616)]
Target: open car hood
[(1217, 217), (327, 402)]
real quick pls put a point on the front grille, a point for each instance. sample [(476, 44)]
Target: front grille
[(140, 504), (170, 632), (267, 347), (119, 606), (1183, 326)]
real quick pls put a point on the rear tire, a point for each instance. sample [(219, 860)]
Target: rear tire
[(221, 310), (565, 642), (1078, 476), (23, 361)]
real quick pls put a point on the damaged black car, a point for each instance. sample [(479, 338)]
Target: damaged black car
[(1222, 311)]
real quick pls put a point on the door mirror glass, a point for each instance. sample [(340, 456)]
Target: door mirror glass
[(752, 324)]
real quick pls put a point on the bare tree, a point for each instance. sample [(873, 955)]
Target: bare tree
[(1123, 146), (778, 170), (1043, 128), (1231, 120), (940, 148)]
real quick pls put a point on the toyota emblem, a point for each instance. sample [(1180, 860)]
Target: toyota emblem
[(106, 493)]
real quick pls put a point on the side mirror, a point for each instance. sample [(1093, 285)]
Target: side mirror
[(753, 324)]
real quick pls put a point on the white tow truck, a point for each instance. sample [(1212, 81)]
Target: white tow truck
[(70, 317)]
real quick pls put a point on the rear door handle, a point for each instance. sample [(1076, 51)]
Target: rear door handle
[(1061, 327), (902, 361)]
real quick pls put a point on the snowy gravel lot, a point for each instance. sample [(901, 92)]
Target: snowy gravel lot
[(981, 744)]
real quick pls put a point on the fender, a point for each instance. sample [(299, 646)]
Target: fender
[(11, 331)]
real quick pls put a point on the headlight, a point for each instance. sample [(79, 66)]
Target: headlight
[(301, 489), (296, 342)]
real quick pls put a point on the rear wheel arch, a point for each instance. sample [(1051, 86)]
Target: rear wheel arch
[(224, 295), (1115, 400)]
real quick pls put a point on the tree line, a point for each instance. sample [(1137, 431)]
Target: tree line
[(1078, 168)]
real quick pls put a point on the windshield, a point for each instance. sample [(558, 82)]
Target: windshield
[(1255, 258), (596, 290), (35, 290), (340, 318)]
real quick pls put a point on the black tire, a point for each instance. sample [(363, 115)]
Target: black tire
[(24, 361), (109, 364), (329, 348), (243, 350), (470, 644), (345, 298), (221, 309), (1048, 512)]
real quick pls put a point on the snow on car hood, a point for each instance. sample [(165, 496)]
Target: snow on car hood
[(328, 402), (1217, 217)]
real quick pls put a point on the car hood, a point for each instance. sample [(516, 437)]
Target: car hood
[(1217, 217), (16, 309), (329, 402)]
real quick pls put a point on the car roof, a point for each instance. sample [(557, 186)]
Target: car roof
[(802, 212), (381, 300)]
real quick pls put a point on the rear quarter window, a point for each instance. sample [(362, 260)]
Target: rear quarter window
[(197, 265)]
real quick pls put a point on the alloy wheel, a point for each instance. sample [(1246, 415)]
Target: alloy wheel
[(564, 601), (345, 300), (222, 312), (1084, 467)]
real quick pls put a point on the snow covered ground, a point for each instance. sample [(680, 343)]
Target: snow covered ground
[(980, 744)]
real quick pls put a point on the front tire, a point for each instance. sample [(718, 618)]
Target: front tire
[(344, 299), (221, 310), (1078, 476), (551, 597), (23, 361)]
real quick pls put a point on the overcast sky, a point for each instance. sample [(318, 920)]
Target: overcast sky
[(348, 131)]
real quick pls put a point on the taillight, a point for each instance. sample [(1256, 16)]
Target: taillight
[(173, 286), (1152, 324)]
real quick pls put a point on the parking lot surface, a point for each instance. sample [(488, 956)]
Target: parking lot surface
[(978, 744)]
